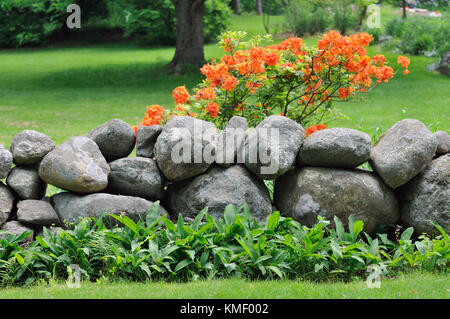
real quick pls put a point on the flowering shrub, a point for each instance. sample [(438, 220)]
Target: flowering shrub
[(289, 78)]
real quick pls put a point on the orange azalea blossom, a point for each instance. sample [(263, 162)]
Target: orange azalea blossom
[(154, 115), (403, 61), (212, 109), (206, 93), (315, 128), (180, 94)]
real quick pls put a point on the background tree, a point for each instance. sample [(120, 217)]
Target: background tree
[(237, 6), (189, 42), (259, 7)]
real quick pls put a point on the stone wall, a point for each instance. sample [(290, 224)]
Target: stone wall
[(188, 165)]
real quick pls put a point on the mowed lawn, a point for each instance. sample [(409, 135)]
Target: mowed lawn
[(411, 286), (67, 91)]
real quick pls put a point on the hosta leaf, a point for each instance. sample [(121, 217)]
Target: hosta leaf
[(276, 270), (406, 235), (229, 214), (182, 264)]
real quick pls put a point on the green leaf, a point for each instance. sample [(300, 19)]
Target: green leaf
[(170, 226), (229, 214), (19, 258), (276, 270), (421, 248), (358, 226), (42, 241), (273, 220), (182, 264), (339, 228), (406, 235), (180, 226)]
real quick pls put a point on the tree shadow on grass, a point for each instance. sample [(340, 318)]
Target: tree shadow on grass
[(132, 75)]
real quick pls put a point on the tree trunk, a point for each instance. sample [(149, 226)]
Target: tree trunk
[(404, 9), (237, 6), (259, 7), (189, 41)]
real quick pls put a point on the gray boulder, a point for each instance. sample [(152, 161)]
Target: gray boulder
[(76, 165), (335, 147), (115, 138), (402, 152), (230, 142), (426, 198), (136, 176), (16, 228), (29, 147), (25, 181), (216, 189), (443, 142), (6, 203), (272, 147), (6, 161), (72, 207), (36, 212), (146, 139), (444, 64), (186, 147), (305, 193)]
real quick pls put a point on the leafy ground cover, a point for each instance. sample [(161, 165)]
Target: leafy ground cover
[(406, 286)]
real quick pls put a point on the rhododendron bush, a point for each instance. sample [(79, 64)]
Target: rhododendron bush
[(288, 78)]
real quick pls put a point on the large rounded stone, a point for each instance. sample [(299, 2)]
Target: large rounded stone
[(272, 147), (72, 207), (136, 176), (305, 193), (16, 228), (25, 181), (186, 147), (29, 147), (36, 212), (115, 138), (145, 140), (6, 161), (335, 147), (76, 165), (402, 152), (231, 141), (426, 198), (443, 142), (216, 189), (6, 203)]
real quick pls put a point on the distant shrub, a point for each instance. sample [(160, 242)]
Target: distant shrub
[(420, 35), (275, 7), (303, 17)]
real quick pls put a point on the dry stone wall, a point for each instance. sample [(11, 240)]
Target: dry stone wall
[(188, 165)]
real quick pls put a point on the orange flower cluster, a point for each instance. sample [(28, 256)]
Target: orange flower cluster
[(315, 128), (205, 94), (180, 95), (153, 116), (404, 63), (212, 109)]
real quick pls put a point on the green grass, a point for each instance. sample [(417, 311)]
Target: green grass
[(416, 285), (67, 91)]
